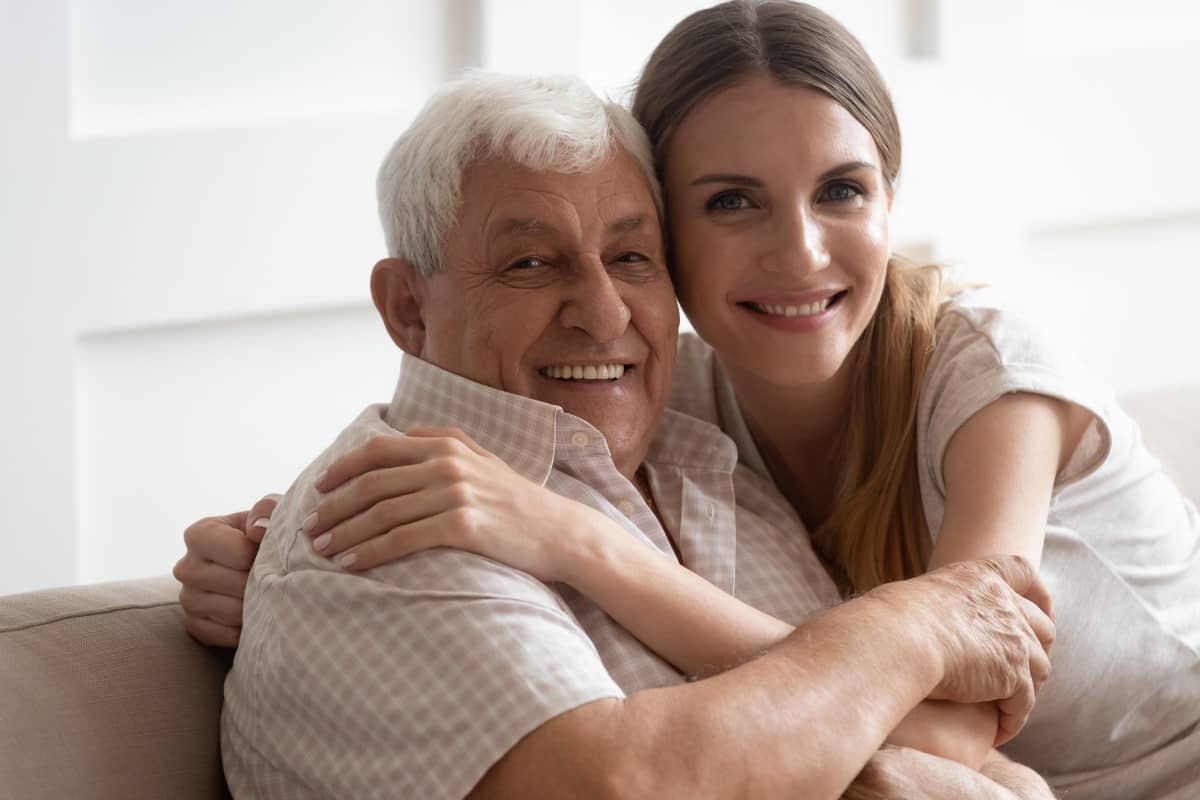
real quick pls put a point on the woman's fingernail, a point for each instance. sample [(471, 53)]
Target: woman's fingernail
[(321, 543), (309, 523), (321, 478), (261, 522), (346, 560)]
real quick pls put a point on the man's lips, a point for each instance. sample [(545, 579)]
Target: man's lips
[(586, 370)]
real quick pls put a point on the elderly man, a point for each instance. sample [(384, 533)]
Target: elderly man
[(446, 674)]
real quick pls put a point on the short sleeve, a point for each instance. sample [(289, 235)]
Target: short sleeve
[(983, 351), (409, 681)]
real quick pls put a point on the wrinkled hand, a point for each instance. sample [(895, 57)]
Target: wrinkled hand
[(900, 772), (991, 620), (397, 495), (220, 552)]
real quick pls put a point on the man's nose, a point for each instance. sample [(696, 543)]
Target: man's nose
[(595, 305), (796, 244)]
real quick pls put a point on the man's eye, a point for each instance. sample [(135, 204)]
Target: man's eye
[(841, 192), (729, 201), (529, 262), (631, 258)]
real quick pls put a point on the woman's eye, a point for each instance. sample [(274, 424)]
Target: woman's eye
[(841, 192), (730, 201), (631, 258)]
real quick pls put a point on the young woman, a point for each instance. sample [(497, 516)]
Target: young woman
[(908, 427)]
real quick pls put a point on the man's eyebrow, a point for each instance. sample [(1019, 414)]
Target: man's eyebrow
[(629, 223), (525, 226), (747, 180)]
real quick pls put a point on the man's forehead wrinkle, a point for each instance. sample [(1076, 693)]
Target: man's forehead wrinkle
[(516, 211)]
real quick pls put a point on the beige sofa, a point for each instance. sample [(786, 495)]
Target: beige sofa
[(103, 695)]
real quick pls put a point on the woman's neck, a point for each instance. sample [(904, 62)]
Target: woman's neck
[(797, 430)]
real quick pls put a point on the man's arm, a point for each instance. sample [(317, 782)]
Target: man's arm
[(802, 719), (915, 775)]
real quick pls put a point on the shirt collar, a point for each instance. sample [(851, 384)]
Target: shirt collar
[(519, 430), (529, 434), (701, 389)]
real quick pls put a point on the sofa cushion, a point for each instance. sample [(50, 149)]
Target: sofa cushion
[(103, 695)]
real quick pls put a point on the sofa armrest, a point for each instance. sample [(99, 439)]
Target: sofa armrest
[(103, 695)]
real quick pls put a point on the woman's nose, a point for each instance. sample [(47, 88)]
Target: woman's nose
[(797, 244)]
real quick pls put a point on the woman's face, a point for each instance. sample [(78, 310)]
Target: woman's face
[(778, 213)]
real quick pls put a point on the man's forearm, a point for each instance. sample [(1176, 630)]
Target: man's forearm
[(804, 717)]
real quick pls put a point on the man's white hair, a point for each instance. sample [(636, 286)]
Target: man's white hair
[(549, 124)]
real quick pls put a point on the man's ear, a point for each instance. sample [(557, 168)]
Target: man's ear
[(399, 292)]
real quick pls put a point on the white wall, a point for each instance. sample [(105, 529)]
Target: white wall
[(187, 219)]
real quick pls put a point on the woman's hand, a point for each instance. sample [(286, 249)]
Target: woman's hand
[(220, 552), (397, 495)]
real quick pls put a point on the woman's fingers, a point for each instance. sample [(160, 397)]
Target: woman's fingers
[(397, 543), (382, 452), (221, 609), (381, 519), (209, 576), (220, 540), (258, 516), (210, 633), (449, 433), (362, 493)]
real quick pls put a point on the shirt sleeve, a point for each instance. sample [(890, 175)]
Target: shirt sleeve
[(409, 681), (985, 351)]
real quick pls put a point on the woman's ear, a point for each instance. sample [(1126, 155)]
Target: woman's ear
[(399, 292)]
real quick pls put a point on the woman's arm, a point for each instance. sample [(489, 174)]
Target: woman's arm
[(999, 472)]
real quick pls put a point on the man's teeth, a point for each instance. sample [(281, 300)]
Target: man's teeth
[(592, 372), (794, 311)]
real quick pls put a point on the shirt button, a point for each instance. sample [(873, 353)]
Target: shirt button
[(579, 439), (625, 507), (711, 511)]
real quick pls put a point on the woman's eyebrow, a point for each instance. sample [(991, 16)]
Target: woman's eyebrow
[(746, 180), (726, 177), (849, 166)]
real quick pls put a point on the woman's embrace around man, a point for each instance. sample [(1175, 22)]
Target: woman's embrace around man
[(843, 423)]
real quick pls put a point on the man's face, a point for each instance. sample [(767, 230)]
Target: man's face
[(555, 287)]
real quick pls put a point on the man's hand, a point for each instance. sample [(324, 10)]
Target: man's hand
[(900, 772), (220, 552), (990, 619)]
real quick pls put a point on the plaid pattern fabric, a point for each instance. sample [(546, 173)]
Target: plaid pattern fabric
[(413, 679)]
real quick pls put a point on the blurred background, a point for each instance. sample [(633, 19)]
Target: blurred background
[(187, 218)]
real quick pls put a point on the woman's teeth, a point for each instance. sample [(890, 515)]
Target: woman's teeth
[(592, 372), (809, 310)]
